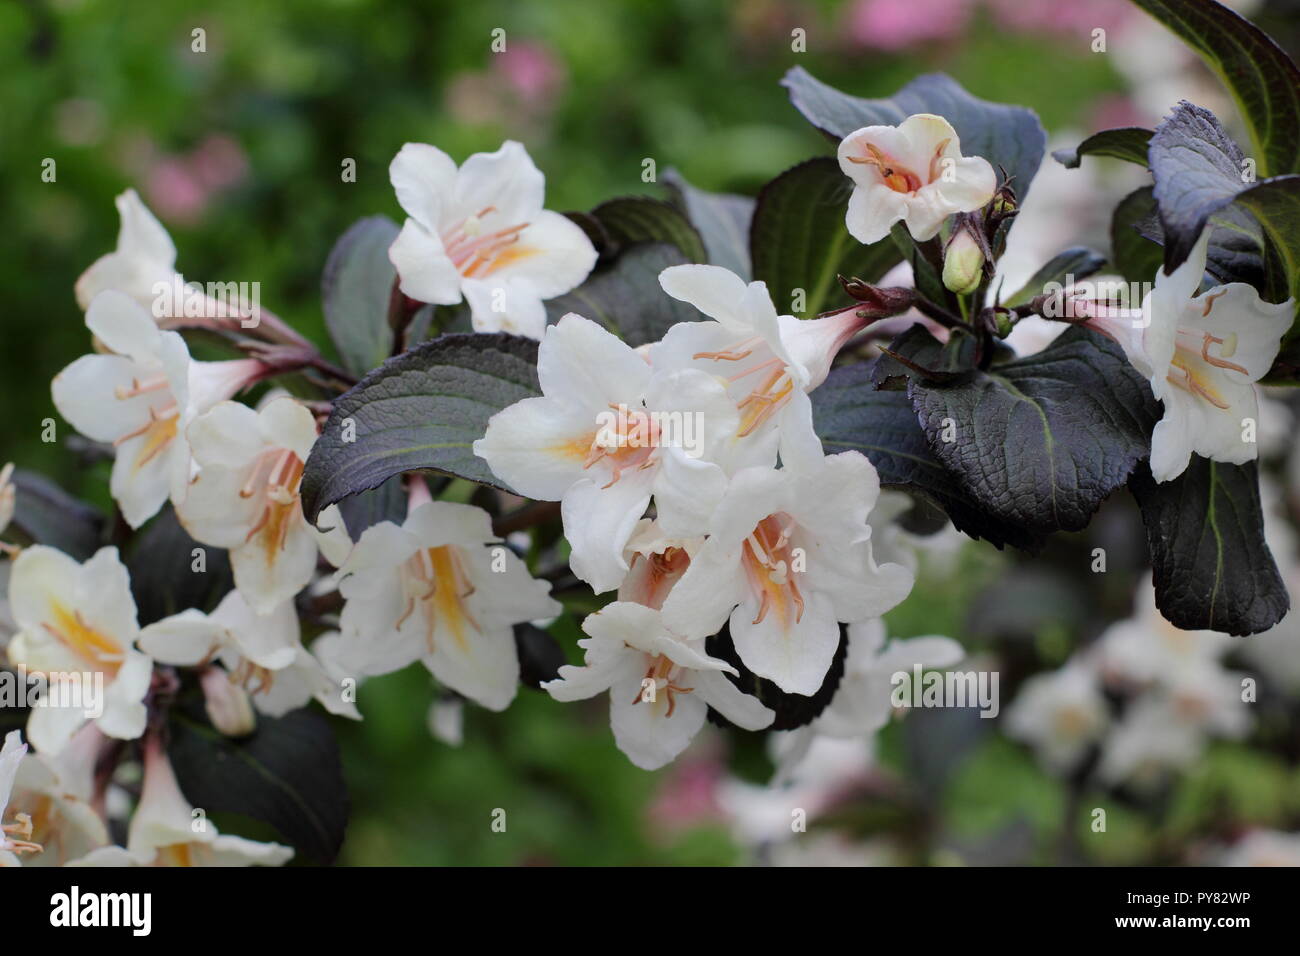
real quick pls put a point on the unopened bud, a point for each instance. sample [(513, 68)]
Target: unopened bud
[(963, 263), (1003, 323), (228, 705), (1003, 205), (876, 302)]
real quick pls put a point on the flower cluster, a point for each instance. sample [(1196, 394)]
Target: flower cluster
[(1176, 697), (441, 588), (753, 527), (744, 571)]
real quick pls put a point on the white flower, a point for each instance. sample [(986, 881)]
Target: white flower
[(440, 588), (56, 793), (1206, 696), (1166, 727), (78, 621), (913, 172), (606, 434), (166, 832), (313, 675), (767, 362), (1060, 714), (15, 837), (1149, 740), (788, 557), (1202, 354), (1146, 648), (140, 398), (862, 704), (145, 256), (481, 233), (814, 773), (660, 685), (263, 654), (245, 497)]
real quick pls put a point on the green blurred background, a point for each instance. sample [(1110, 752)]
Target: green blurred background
[(238, 150)]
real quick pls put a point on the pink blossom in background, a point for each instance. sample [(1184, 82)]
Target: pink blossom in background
[(219, 162), (899, 24), (174, 192), (520, 87), (531, 70), (1076, 16), (688, 796), (181, 186)]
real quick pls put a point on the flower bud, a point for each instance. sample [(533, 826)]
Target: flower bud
[(1003, 323), (228, 705), (1003, 205), (963, 263)]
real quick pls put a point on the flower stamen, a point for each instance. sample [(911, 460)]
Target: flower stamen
[(896, 177)]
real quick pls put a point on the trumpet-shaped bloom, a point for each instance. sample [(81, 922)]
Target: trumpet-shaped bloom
[(863, 703), (1146, 649), (15, 837), (607, 434), (1168, 727), (914, 173), (788, 557), (54, 795), (1202, 354), (77, 624), (480, 233), (140, 398), (1060, 714), (245, 497), (767, 362), (166, 831), (145, 256), (440, 588), (660, 685), (261, 653)]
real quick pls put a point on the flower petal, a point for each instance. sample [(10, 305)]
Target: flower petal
[(717, 292), (482, 665), (645, 731), (505, 180), (538, 446), (795, 654), (587, 365), (423, 177), (553, 255), (726, 698), (598, 523), (426, 271), (121, 324), (183, 640), (505, 303)]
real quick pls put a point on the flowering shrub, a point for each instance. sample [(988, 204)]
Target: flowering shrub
[(685, 422)]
